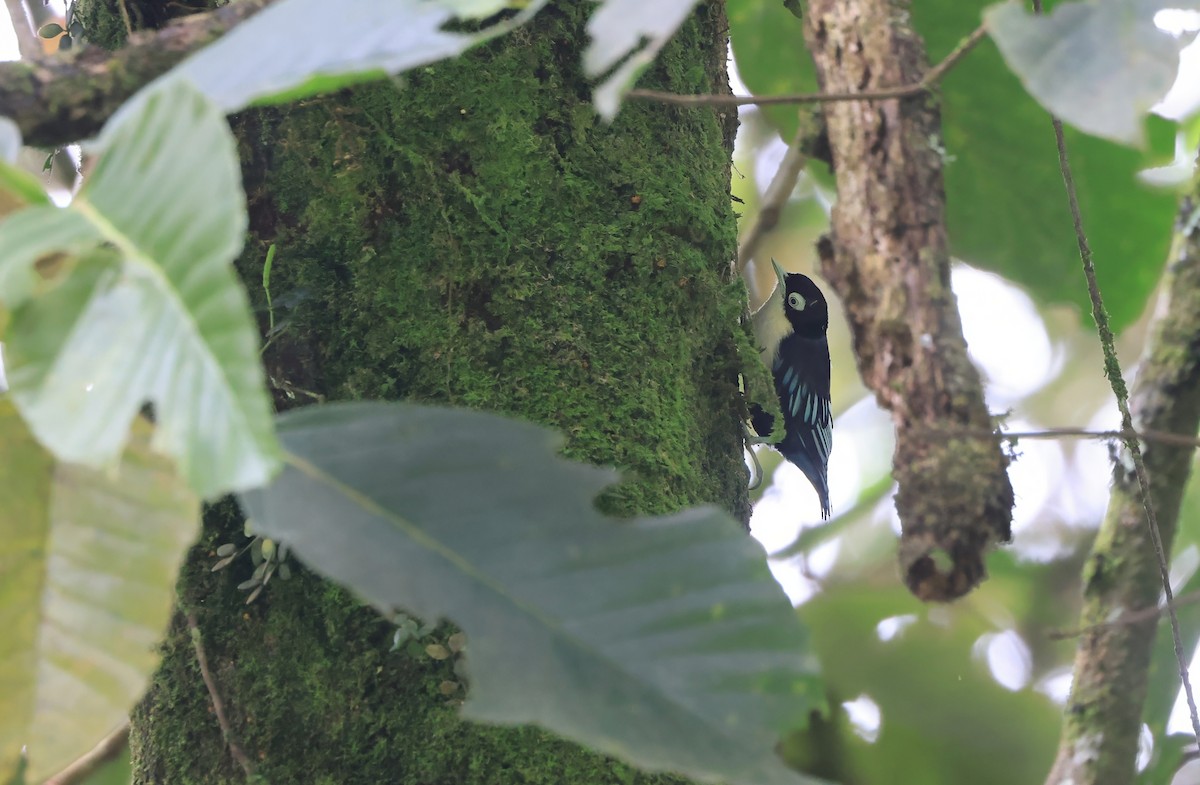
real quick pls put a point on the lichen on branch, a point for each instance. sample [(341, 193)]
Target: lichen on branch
[(888, 260)]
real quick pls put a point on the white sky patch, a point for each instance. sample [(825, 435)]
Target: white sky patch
[(767, 162), (791, 576), (1035, 476), (1007, 657), (822, 558), (8, 39), (735, 78), (893, 626), (1145, 747), (1005, 335), (1085, 492), (865, 717), (1184, 96), (1057, 685)]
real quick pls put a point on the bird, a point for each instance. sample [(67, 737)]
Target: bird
[(790, 328)]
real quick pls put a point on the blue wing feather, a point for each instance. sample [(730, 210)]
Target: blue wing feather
[(801, 371)]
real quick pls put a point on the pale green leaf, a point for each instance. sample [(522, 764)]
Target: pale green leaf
[(633, 28), (319, 51), (1098, 65), (33, 234), (18, 188), (478, 9), (88, 561), (155, 314), (663, 641)]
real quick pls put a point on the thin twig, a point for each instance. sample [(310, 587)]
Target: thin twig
[(1125, 619), (1162, 437), (102, 753), (932, 77), (218, 705), (1112, 369), (774, 198)]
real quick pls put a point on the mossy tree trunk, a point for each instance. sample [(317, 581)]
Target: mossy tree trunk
[(472, 234)]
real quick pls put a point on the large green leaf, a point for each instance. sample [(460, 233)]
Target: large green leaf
[(88, 561), (128, 296), (663, 641), (1098, 65), (315, 51), (1006, 206)]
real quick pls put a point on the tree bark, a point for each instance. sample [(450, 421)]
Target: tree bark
[(888, 260), (473, 235), (1103, 716)]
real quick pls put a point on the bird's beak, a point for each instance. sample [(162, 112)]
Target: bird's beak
[(779, 274)]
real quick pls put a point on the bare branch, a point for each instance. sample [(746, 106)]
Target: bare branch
[(108, 748), (1127, 618), (1145, 435), (931, 78)]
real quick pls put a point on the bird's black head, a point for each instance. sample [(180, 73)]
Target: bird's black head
[(805, 306)]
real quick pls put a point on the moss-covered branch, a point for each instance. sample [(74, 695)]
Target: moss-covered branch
[(888, 261), (65, 98), (1104, 714)]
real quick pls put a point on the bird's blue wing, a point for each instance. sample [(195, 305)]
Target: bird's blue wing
[(801, 371)]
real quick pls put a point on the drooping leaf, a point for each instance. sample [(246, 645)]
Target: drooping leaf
[(88, 561), (154, 314), (18, 188), (1099, 65), (662, 641), (320, 51), (618, 28), (1006, 210)]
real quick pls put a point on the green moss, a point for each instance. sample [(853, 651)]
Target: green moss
[(102, 23), (306, 674), (472, 235), (487, 248)]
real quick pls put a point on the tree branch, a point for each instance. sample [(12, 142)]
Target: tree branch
[(1123, 574), (931, 78), (889, 262), (27, 39), (108, 749), (65, 98)]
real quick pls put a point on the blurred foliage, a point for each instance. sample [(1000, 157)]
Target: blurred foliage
[(1006, 208), (943, 718)]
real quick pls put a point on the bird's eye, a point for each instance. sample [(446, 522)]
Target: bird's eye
[(796, 302)]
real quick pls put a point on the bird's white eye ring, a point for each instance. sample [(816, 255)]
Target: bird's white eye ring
[(796, 301)]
